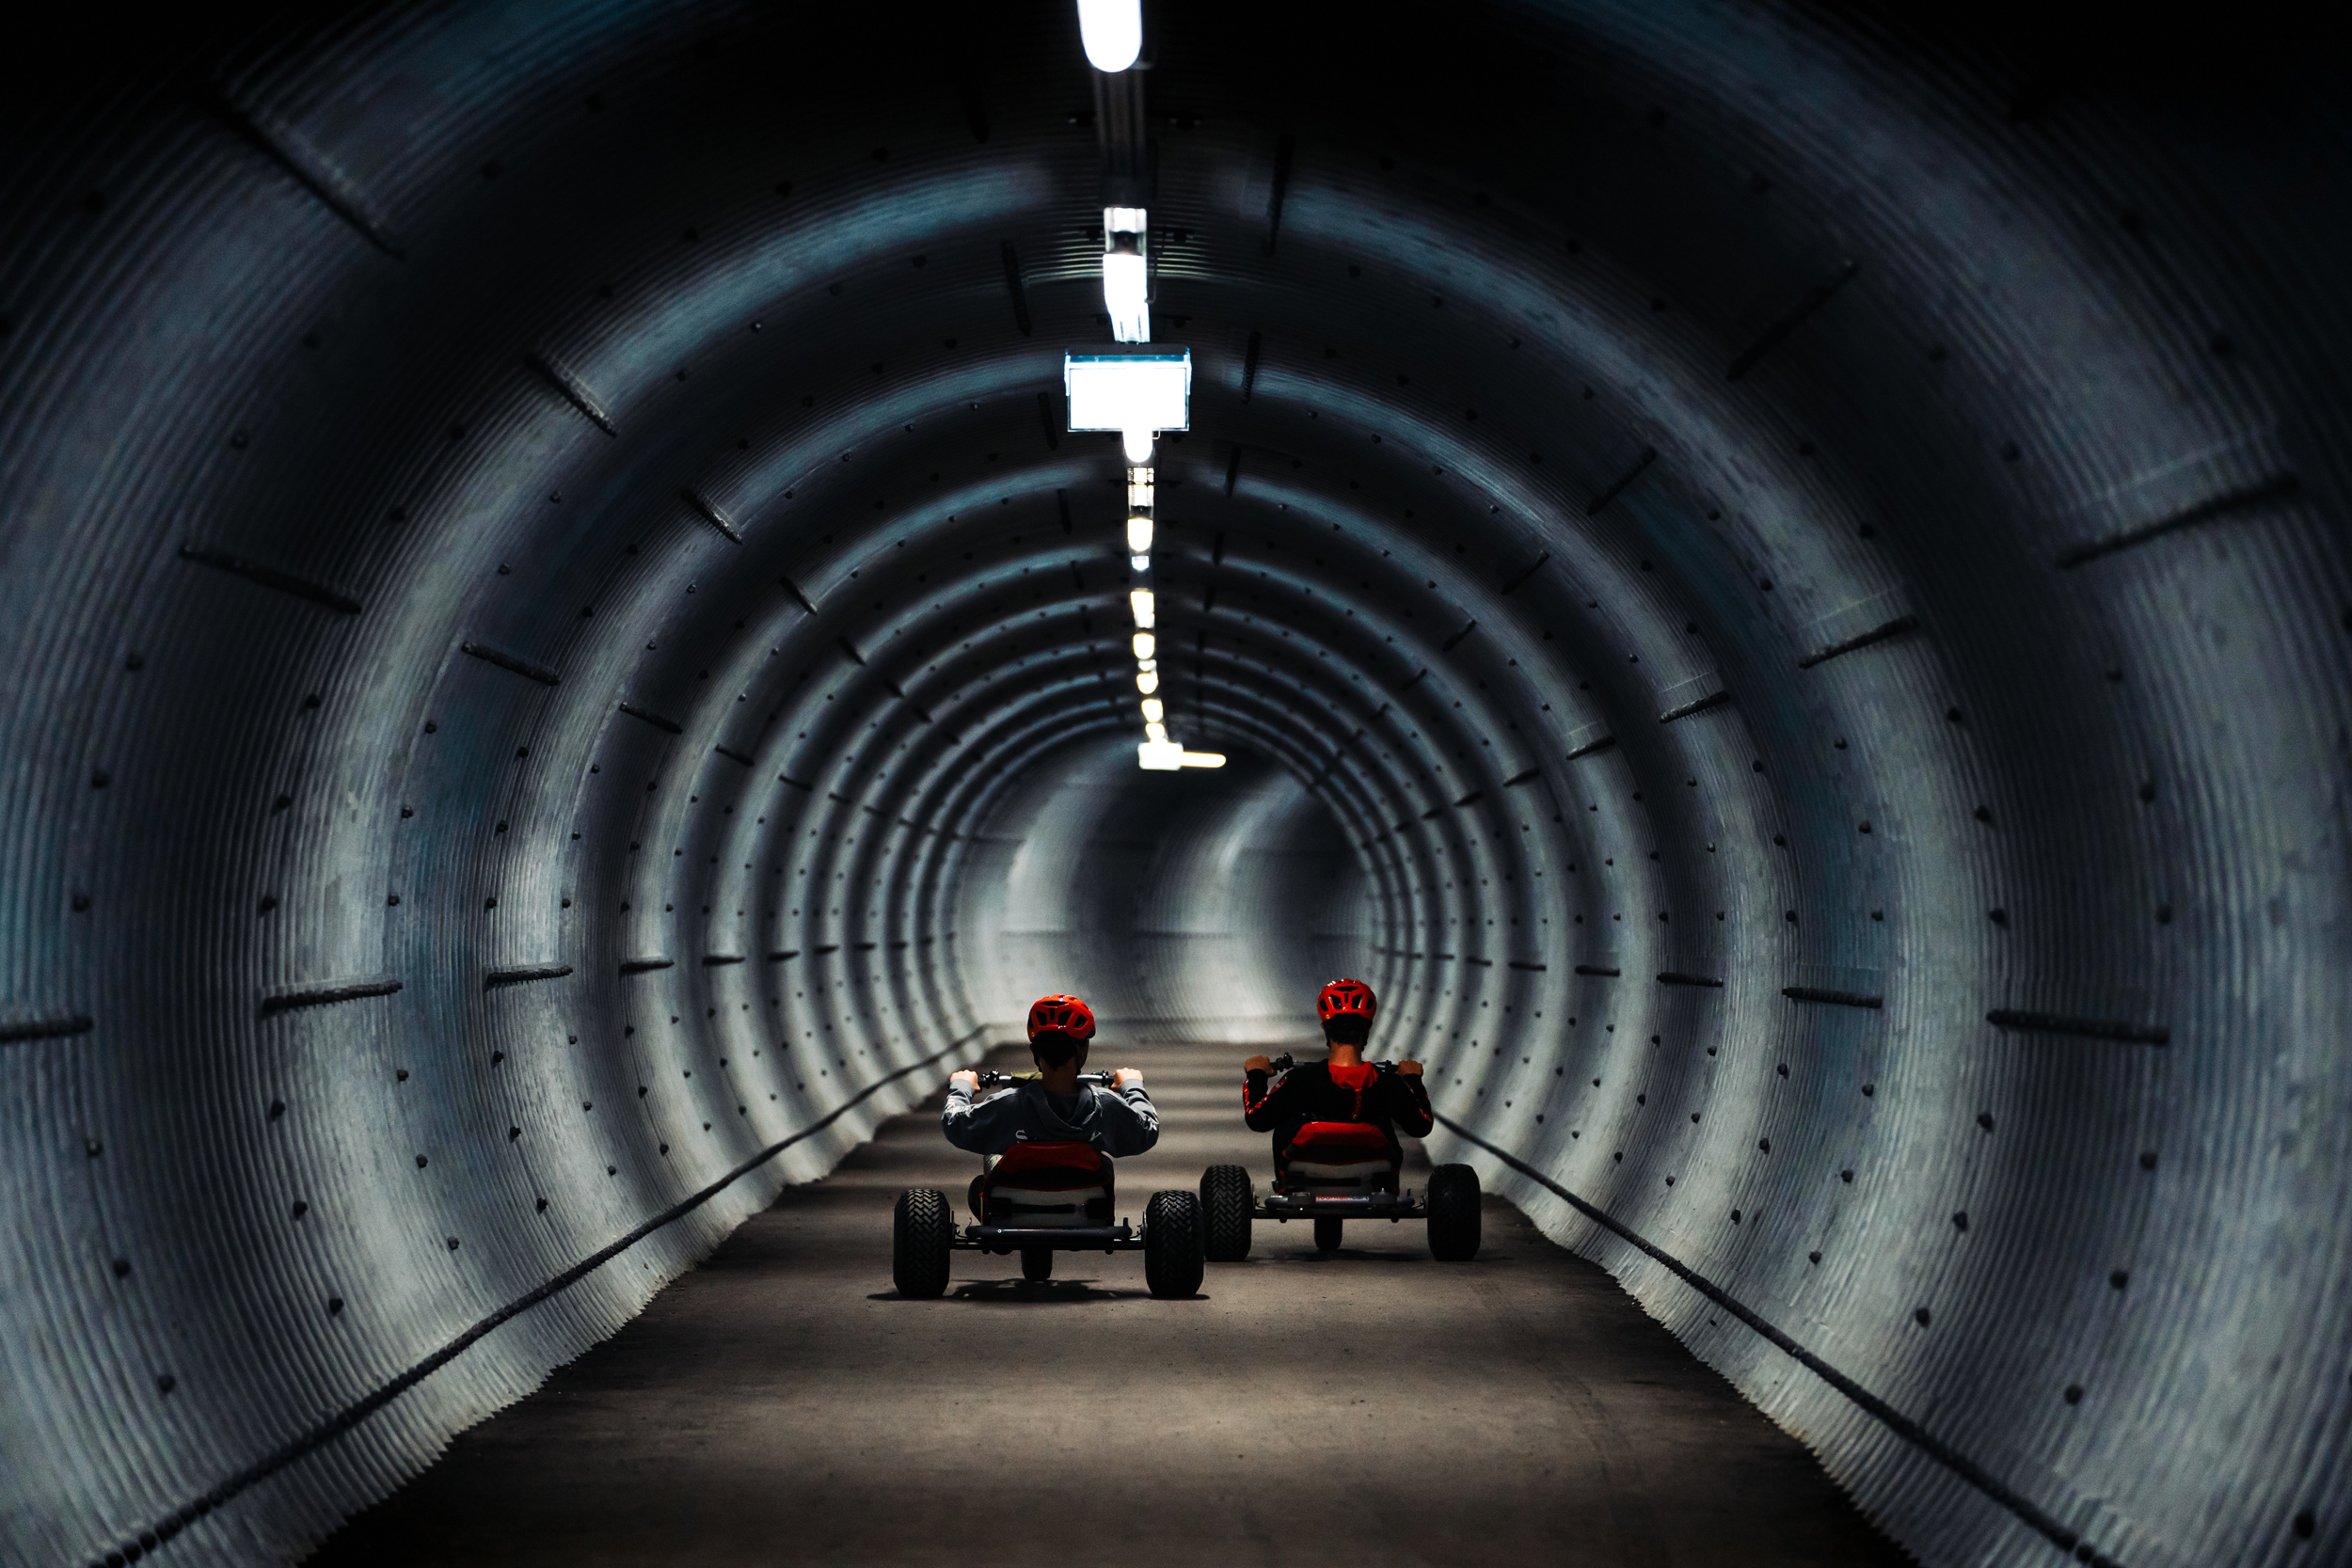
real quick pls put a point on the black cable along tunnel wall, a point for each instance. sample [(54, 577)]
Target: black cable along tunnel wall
[(1779, 586)]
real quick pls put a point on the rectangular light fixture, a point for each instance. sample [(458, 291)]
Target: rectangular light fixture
[(1127, 296), (1139, 600), (1138, 534), (1136, 394), (1165, 756), (1127, 272)]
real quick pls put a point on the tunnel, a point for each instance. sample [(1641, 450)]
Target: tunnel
[(1773, 577)]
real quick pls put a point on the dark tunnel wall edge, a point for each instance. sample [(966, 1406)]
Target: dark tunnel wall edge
[(351, 1415), (1894, 1420)]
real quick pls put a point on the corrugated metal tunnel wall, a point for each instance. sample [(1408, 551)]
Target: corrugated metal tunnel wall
[(1182, 907), (1781, 579)]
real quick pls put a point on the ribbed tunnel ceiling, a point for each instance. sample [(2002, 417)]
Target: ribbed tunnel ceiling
[(1779, 589)]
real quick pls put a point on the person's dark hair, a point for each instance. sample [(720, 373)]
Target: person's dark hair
[(1052, 1048), (1347, 1029)]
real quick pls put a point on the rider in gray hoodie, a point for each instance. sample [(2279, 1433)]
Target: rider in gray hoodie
[(1056, 1108)]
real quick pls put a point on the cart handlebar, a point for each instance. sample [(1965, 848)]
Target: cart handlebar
[(990, 1078), (1286, 1061)]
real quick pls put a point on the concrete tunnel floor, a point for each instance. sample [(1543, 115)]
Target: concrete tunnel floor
[(781, 1403)]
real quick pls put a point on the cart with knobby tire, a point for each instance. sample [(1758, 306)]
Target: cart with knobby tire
[(1036, 1199), (1332, 1172)]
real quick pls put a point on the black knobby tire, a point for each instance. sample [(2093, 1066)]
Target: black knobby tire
[(1328, 1230), (920, 1229), (1454, 1213), (1174, 1251), (1226, 1201), (1037, 1262)]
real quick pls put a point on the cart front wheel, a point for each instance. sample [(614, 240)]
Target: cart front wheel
[(1225, 1202), (920, 1229), (1174, 1250), (1454, 1213)]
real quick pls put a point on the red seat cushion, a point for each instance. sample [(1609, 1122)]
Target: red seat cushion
[(1338, 1143), (1051, 1167)]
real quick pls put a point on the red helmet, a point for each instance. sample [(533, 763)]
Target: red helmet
[(1061, 1015), (1342, 997)]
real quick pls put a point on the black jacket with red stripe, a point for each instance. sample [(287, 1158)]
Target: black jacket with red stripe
[(1393, 1102)]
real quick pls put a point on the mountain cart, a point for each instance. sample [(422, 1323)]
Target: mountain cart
[(1038, 1198), (1332, 1172)]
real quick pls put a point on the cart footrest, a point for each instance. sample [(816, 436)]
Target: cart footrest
[(1013, 1238), (1289, 1206)]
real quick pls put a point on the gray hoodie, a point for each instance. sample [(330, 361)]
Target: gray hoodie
[(1121, 1123)]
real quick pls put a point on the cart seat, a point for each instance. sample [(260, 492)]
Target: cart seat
[(1052, 1185), (1343, 1159)]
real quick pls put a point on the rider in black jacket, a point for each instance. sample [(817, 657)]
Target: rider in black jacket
[(1342, 1087)]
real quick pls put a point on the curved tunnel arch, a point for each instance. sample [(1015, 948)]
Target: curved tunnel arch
[(1797, 565)]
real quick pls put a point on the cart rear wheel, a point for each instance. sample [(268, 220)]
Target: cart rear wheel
[(1174, 1253), (1037, 1262), (1327, 1233), (1226, 1201), (1454, 1213), (920, 1229)]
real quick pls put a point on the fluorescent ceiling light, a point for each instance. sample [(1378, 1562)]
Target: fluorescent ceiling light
[(1140, 562), (1112, 31), (1147, 682), (1127, 272), (1144, 646), (1134, 393), (1139, 600), (1138, 534), (1127, 296), (1167, 756), (1153, 711)]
